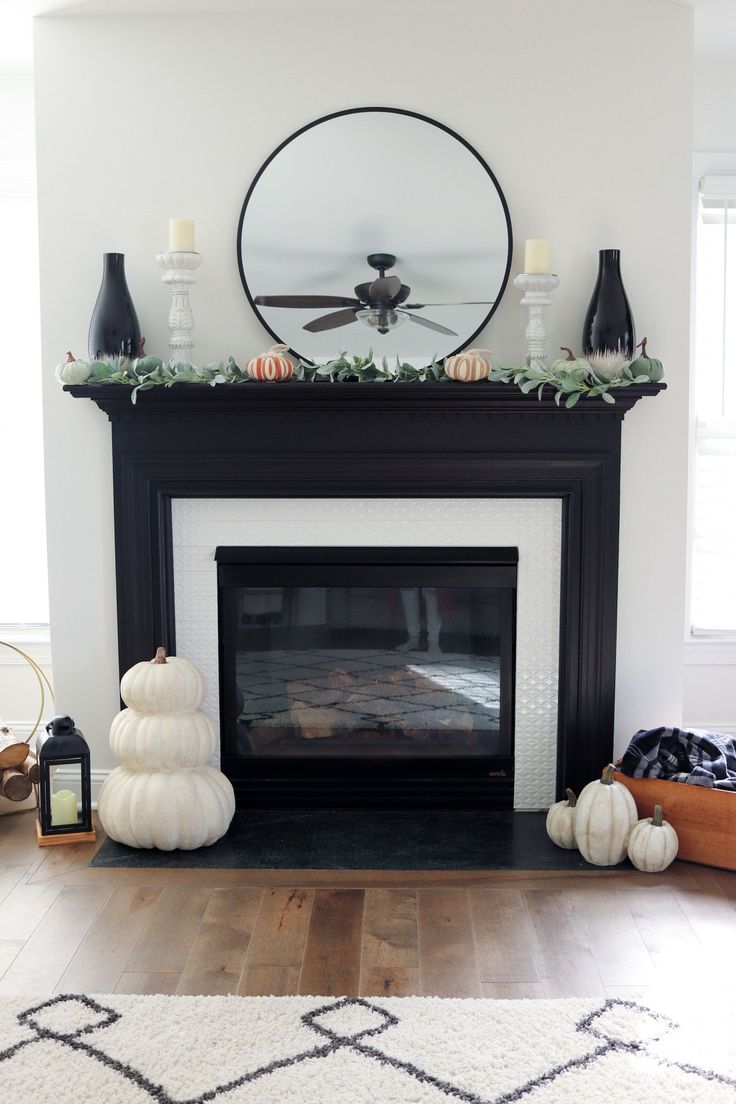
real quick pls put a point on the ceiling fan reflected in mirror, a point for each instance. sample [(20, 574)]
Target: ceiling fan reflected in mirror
[(379, 303)]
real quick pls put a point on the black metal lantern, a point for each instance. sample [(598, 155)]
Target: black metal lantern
[(59, 818)]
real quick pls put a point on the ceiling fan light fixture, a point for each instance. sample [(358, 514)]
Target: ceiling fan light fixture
[(379, 319)]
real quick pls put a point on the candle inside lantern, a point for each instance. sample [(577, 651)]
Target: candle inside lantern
[(537, 256), (63, 808), (181, 235)]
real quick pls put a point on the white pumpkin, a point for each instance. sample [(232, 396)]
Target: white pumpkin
[(168, 740), (73, 371), (166, 809), (653, 843), (604, 816), (561, 822), (164, 684)]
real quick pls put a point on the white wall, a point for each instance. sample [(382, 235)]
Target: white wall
[(590, 152)]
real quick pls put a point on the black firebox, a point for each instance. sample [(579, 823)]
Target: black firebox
[(368, 675)]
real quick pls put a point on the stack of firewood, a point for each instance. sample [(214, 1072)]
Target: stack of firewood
[(18, 766)]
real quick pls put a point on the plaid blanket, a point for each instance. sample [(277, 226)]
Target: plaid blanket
[(683, 755)]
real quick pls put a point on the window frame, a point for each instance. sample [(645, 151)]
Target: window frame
[(716, 647)]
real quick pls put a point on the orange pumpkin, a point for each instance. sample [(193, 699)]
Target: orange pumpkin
[(271, 366), (469, 366)]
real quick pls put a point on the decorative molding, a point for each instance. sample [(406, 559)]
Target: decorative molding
[(406, 400), (705, 652), (475, 440)]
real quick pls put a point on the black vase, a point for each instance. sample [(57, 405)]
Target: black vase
[(113, 329), (608, 332)]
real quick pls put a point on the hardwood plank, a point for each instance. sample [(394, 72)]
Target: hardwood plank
[(504, 939), (390, 981), (276, 949), (46, 954), (664, 927), (390, 933), (331, 964), (512, 990), (269, 981), (218, 878), (104, 952), (447, 959), (709, 911), (566, 964), (217, 956), (23, 909), (164, 944), (8, 953), (611, 932), (10, 876), (147, 983)]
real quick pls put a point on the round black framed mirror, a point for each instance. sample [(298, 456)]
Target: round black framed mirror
[(374, 227)]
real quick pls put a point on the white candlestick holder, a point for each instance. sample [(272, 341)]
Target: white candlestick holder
[(178, 274), (537, 289)]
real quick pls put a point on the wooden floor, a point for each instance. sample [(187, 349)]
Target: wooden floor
[(65, 927)]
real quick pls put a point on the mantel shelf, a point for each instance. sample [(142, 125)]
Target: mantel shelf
[(349, 398)]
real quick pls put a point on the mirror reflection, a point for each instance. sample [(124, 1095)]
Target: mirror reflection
[(375, 228)]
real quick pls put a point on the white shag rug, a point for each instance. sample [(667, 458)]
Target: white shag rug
[(75, 1049)]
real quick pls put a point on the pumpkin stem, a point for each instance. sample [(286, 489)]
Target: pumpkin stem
[(657, 817), (70, 357), (607, 776), (160, 656), (570, 353), (643, 345), (571, 799)]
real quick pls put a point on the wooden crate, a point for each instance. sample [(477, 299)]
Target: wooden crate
[(704, 819)]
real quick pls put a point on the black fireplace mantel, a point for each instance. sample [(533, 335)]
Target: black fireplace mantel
[(484, 440)]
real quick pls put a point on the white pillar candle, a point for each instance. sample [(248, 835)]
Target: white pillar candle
[(63, 808), (537, 256), (181, 236)]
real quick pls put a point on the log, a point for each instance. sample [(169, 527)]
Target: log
[(13, 751), (16, 786), (30, 768)]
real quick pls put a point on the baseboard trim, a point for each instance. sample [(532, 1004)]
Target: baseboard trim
[(66, 776)]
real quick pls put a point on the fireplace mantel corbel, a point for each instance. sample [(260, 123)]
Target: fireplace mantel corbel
[(412, 440)]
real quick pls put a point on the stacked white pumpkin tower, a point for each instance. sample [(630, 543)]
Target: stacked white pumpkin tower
[(166, 794)]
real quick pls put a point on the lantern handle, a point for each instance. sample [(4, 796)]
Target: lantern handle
[(41, 678)]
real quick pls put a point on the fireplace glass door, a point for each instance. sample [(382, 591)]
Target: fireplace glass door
[(358, 660)]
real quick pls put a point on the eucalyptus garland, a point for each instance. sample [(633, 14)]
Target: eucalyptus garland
[(569, 378)]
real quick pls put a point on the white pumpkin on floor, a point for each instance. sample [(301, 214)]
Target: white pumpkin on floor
[(604, 816), (653, 843), (561, 822), (165, 794)]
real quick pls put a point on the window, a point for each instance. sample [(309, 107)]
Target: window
[(23, 579), (713, 552)]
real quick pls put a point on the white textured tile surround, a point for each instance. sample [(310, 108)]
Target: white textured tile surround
[(533, 525)]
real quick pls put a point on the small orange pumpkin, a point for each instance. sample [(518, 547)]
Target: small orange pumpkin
[(469, 366), (271, 366)]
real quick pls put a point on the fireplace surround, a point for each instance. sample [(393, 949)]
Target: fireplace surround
[(481, 441)]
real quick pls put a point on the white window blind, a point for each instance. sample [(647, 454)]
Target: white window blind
[(713, 554)]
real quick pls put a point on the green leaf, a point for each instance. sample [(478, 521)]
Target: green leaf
[(607, 397), (572, 399)]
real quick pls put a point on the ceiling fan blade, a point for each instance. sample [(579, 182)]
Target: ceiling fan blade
[(331, 321), (429, 324), (305, 301), (467, 303), (384, 289)]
